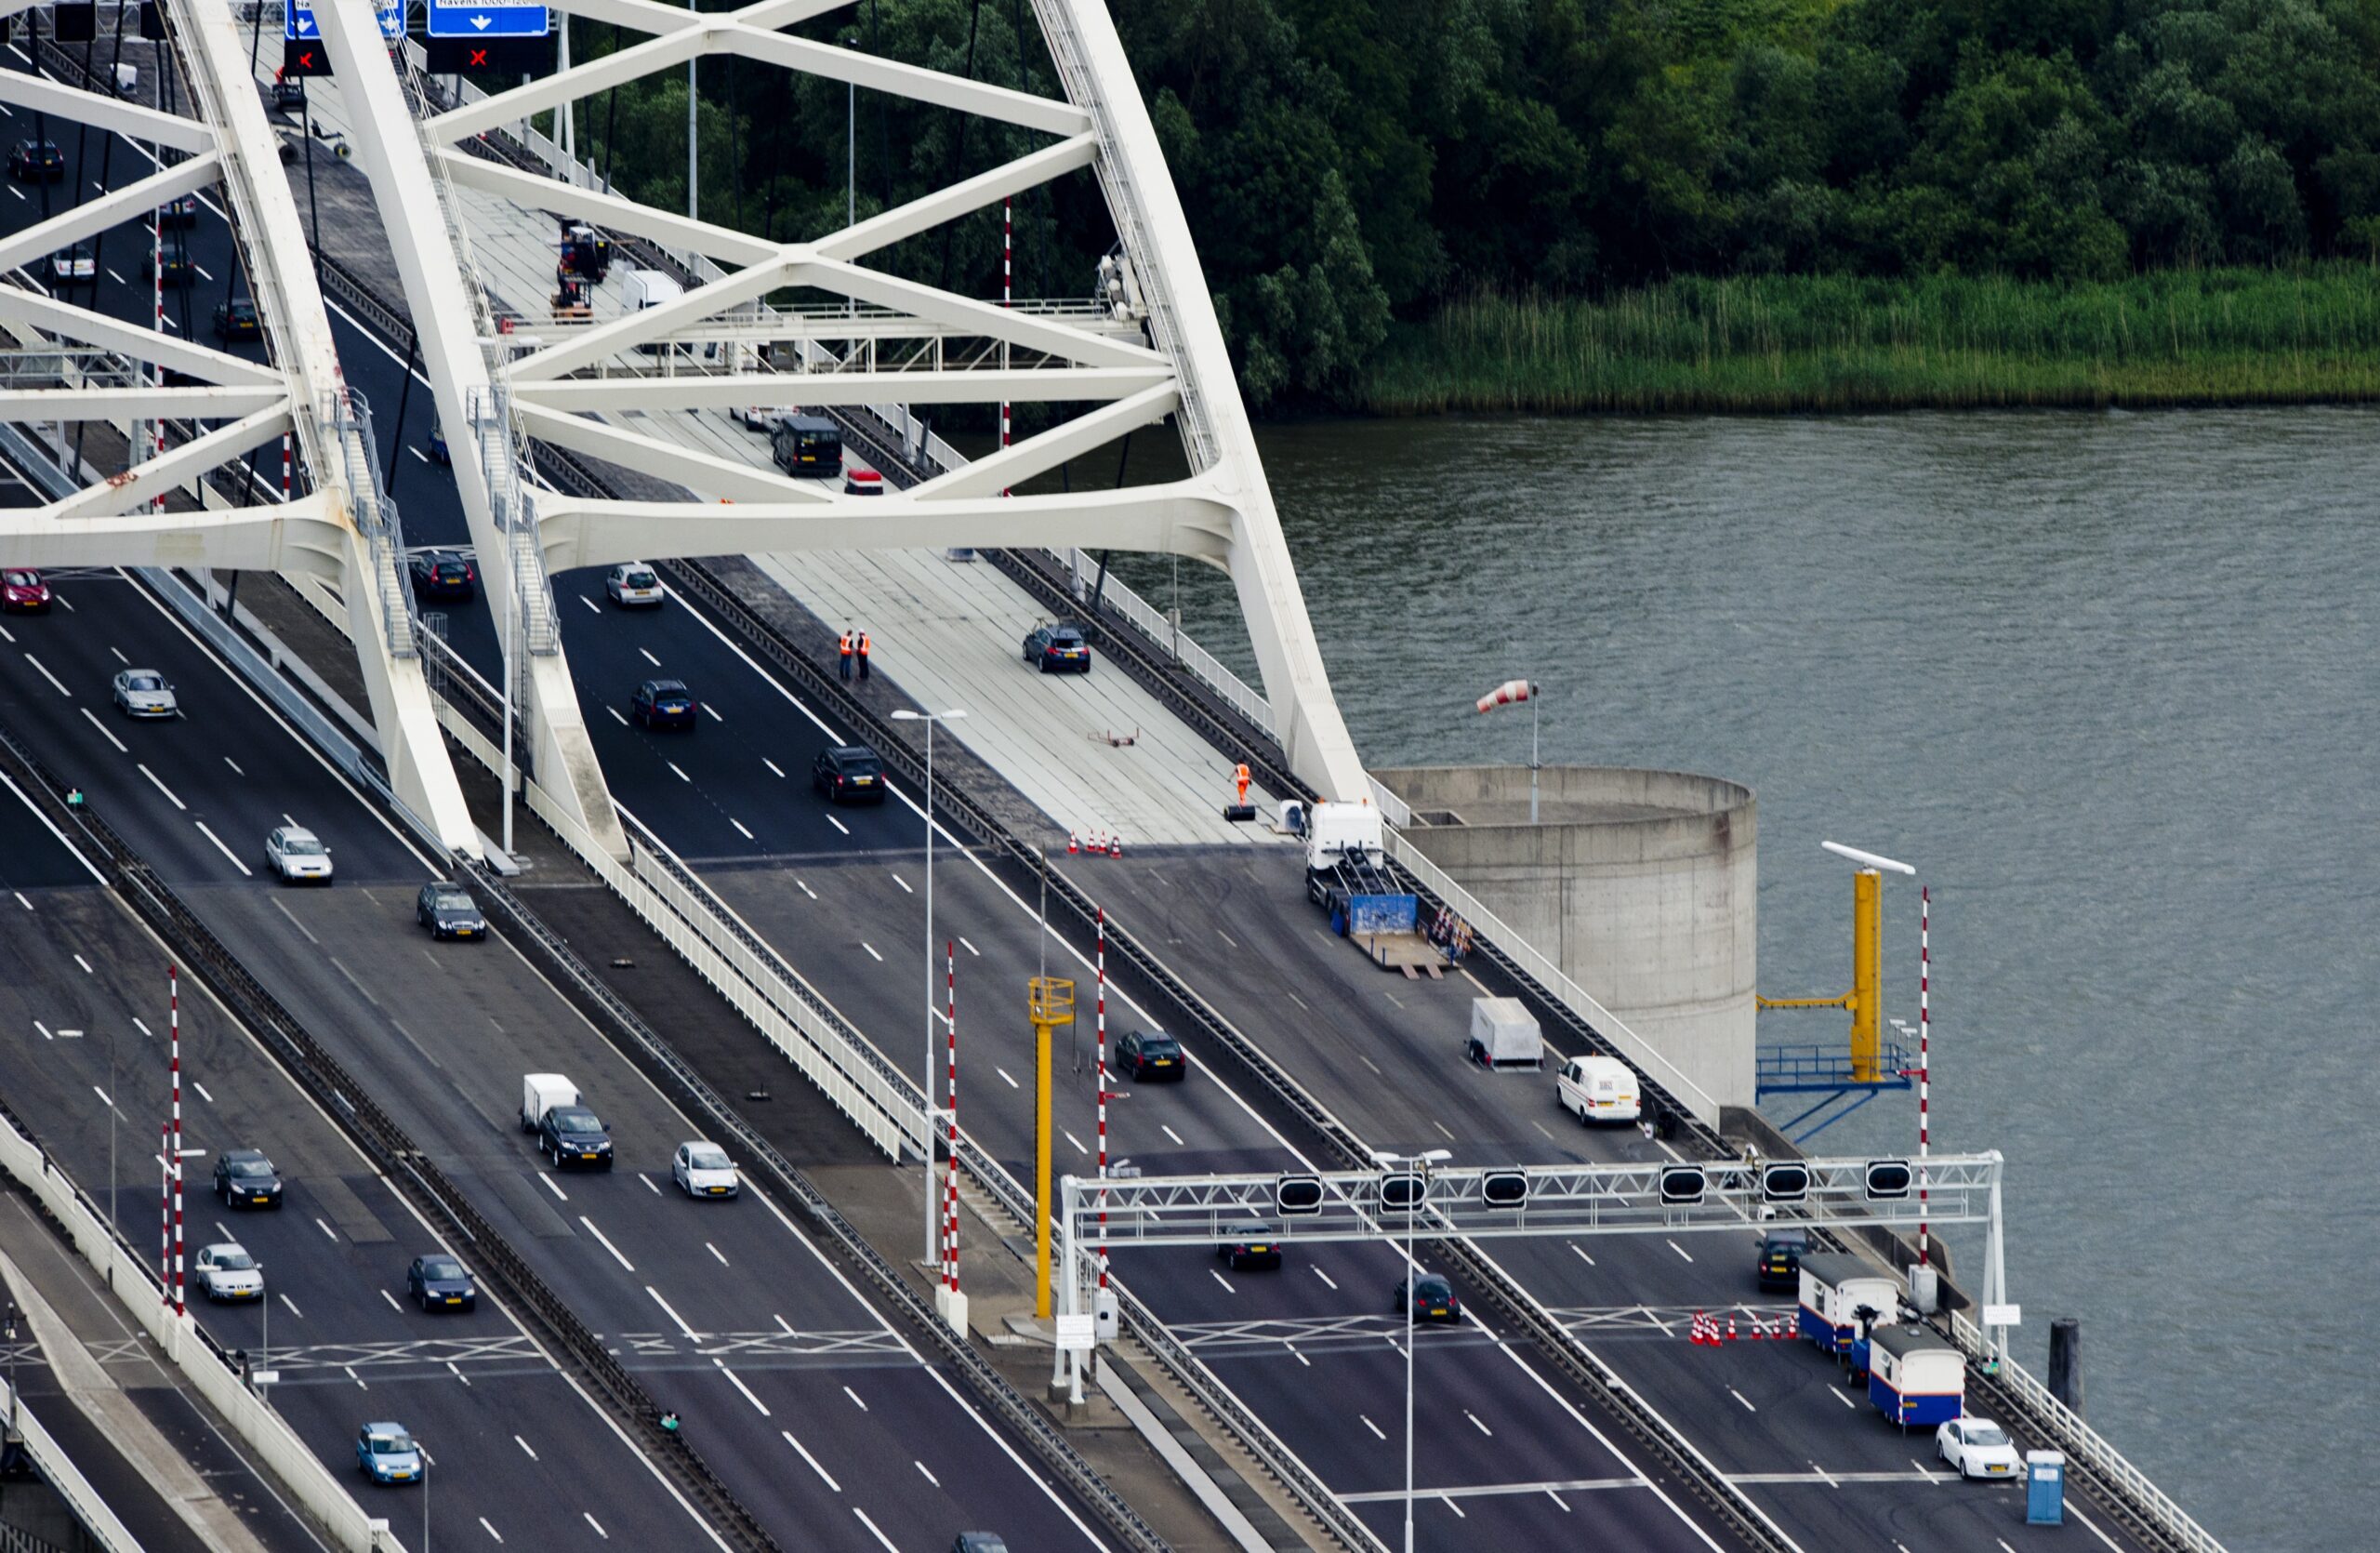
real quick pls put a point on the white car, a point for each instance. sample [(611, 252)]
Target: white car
[(1978, 1448), (297, 854), (144, 692), (704, 1170), (226, 1271), (634, 583), (762, 418)]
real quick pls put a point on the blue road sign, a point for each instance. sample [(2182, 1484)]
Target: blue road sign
[(489, 21), (297, 21)]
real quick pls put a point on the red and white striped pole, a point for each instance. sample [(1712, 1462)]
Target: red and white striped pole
[(1924, 1045), (285, 466), (1103, 1097), (166, 1211), (157, 294), (174, 1156), (950, 1169)]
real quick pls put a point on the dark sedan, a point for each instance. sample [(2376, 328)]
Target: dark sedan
[(1780, 1258), (1433, 1296), (1150, 1054), (443, 574), (178, 212), (1058, 648), (36, 161), (237, 321), (662, 704), (171, 257), (574, 1135), (438, 1283), (447, 910), (245, 1178), (1258, 1246), (849, 775)]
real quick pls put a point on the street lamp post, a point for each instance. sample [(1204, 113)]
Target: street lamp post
[(925, 1089), (1421, 1163)]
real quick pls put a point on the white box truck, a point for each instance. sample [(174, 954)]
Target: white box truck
[(541, 1092), (1504, 1034)]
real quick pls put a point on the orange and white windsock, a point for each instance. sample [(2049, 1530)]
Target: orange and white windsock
[(1510, 692)]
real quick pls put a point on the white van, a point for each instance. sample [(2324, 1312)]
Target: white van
[(541, 1092), (648, 288), (1599, 1089)]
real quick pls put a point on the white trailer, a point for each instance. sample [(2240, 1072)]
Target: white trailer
[(1504, 1034), (541, 1092)]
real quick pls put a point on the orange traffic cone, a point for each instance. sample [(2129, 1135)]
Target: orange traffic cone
[(1073, 845), (1731, 1326), (1694, 1336), (1115, 846)]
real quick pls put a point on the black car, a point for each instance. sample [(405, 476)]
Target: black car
[(1058, 648), (446, 908), (979, 1542), (237, 321), (438, 1283), (289, 92), (1258, 1246), (245, 1178), (808, 445), (662, 704), (443, 574), (849, 775), (1780, 1258), (1150, 1054), (171, 257), (36, 161), (1434, 1299), (572, 1135)]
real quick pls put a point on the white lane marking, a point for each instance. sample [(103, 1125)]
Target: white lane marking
[(648, 1183), (1370, 1425), (1452, 1506), (904, 886), (327, 1230), (873, 1530), (46, 1036), (1171, 1134), (110, 268), (1749, 1408), (968, 947), (1298, 1357), (822, 1472), (202, 1092), (807, 890), (141, 1028), (871, 949), (205, 276), (1559, 1500), (854, 1397), (1583, 1254), (295, 922), (682, 776), (617, 716), (47, 675), (1226, 938), (772, 766), (737, 1382), (156, 782), (713, 711), (524, 1447), (1843, 1398), (1681, 1251), (489, 1530), (839, 825), (929, 1476), (85, 964), (1076, 1141), (674, 1314), (1003, 1073), (292, 1306), (605, 1242), (739, 825), (1543, 1128), (9, 636), (589, 1516), (715, 1252), (1325, 1278), (650, 659), (1222, 1279), (105, 1101), (106, 732), (234, 765), (1827, 1478), (392, 1302), (553, 1186), (2095, 1529), (1369, 1063), (1478, 1424), (246, 871), (120, 657), (1442, 1128), (21, 900), (591, 603)]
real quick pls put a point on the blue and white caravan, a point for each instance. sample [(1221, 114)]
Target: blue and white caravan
[(1834, 1286), (1915, 1378)]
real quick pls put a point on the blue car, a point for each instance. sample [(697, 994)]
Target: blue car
[(438, 1283), (386, 1453), (662, 704)]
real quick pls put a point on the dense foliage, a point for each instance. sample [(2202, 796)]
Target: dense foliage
[(1349, 163)]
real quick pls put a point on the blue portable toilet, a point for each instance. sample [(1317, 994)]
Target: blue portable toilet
[(2044, 1488), (1914, 1377), (1834, 1286)]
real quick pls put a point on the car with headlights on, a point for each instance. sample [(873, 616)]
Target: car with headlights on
[(245, 1178), (1977, 1449), (386, 1453), (144, 692), (297, 854), (22, 592), (704, 1170), (437, 1281), (575, 1135), (448, 909), (225, 1271), (1433, 1296)]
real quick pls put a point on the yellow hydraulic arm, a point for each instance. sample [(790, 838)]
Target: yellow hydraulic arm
[(1866, 998)]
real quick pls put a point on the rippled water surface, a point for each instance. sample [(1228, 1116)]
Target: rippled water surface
[(2110, 681)]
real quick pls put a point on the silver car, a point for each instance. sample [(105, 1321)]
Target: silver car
[(144, 692), (226, 1271), (297, 855), (632, 584)]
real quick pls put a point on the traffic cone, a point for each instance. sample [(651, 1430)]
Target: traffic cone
[(1731, 1326), (1695, 1333), (1115, 846), (1073, 845)]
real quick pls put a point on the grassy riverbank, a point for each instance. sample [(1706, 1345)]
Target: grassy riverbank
[(1774, 344)]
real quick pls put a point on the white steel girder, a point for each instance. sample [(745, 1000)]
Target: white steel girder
[(439, 298)]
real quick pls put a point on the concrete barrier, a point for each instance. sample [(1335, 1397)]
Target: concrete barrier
[(73, 1490)]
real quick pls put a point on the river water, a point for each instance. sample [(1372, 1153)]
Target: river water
[(2110, 681)]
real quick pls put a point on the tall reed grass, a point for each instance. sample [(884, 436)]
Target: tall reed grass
[(1775, 344)]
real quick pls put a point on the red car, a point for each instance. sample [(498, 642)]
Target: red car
[(22, 590)]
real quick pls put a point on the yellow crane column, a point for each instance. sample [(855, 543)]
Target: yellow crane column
[(1867, 975), (1050, 1001)]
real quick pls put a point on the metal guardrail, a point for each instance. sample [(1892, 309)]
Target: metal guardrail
[(57, 1469), (728, 1124), (384, 1142)]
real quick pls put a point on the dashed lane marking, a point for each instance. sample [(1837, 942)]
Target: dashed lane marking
[(824, 1475), (588, 1516), (713, 712), (904, 886), (21, 900), (839, 825), (524, 1447), (736, 1381), (1171, 1134), (716, 1252), (873, 1530), (1742, 1398), (1222, 1279), (327, 1230), (968, 947), (1476, 1423), (605, 1242), (927, 1475), (739, 826), (47, 675), (86, 965), (1076, 1141), (871, 950), (295, 922), (1681, 1251), (120, 657), (202, 1092), (592, 606), (234, 765), (246, 871), (807, 890), (673, 1315), (489, 1530), (1003, 1073), (617, 716), (1325, 1276), (106, 732), (157, 782), (650, 659), (103, 1096), (553, 1186), (1374, 1428), (772, 766), (682, 776), (854, 1397)]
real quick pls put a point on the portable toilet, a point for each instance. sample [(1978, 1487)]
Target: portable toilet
[(1834, 1286), (1914, 1377), (2044, 1488)]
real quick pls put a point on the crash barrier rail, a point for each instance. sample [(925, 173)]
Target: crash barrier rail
[(65, 1479), (382, 1141), (728, 1125)]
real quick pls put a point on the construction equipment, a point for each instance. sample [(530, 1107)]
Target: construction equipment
[(569, 301), (585, 252)]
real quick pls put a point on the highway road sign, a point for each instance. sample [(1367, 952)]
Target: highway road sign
[(1077, 1334), (489, 21), (297, 21)]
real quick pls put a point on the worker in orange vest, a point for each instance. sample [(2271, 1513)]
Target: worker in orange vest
[(863, 655), (1239, 775), (843, 662)]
